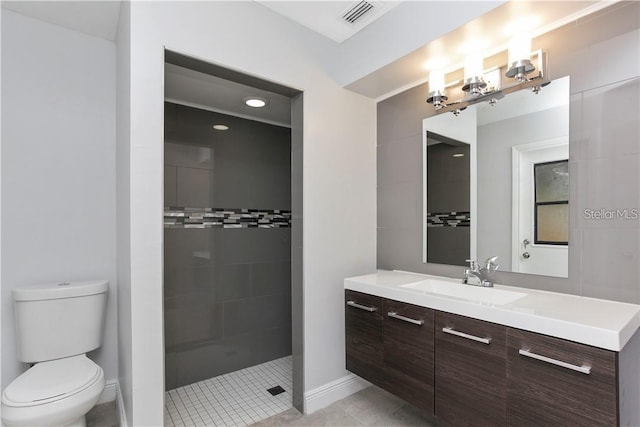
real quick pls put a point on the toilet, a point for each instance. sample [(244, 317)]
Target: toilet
[(56, 324)]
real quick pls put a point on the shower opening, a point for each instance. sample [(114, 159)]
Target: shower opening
[(232, 246)]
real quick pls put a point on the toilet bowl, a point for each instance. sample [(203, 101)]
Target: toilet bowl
[(54, 393)]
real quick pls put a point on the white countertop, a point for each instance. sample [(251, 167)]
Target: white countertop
[(596, 322)]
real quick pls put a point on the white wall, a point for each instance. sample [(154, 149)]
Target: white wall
[(58, 168), (339, 174), (0, 201), (123, 233)]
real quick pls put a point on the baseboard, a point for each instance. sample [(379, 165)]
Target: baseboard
[(329, 393), (120, 406), (109, 393)]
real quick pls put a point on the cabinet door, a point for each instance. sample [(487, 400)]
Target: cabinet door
[(470, 371), (408, 353), (553, 382), (363, 330)]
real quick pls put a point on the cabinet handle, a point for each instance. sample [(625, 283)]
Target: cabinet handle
[(395, 315), (452, 331), (361, 307), (584, 369)]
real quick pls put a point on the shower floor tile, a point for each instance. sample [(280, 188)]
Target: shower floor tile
[(235, 399)]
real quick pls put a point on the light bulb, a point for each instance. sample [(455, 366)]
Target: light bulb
[(473, 65), (436, 81), (255, 102), (520, 47)]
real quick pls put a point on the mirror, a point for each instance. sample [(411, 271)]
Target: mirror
[(506, 191)]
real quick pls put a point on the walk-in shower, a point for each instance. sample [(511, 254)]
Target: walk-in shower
[(227, 259)]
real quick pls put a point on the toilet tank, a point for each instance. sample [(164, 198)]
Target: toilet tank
[(57, 320)]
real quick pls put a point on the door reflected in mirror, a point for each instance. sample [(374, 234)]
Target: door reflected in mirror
[(516, 182)]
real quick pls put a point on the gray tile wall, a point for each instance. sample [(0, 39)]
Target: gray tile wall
[(227, 291), (448, 182), (601, 55)]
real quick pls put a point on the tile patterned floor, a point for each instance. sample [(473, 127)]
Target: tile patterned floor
[(236, 399)]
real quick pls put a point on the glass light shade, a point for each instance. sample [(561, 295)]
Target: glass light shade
[(436, 81), (520, 47), (473, 66)]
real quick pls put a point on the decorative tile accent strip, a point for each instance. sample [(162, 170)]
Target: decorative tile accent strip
[(449, 219), (179, 217)]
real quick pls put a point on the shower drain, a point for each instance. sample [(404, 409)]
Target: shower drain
[(275, 390)]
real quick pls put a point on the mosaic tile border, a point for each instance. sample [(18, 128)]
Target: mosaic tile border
[(448, 219), (179, 217)]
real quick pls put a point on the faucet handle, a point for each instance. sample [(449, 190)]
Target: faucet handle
[(490, 264), (473, 265)]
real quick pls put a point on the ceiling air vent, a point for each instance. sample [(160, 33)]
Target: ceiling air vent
[(357, 11)]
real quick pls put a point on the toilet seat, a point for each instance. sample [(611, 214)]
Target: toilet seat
[(47, 382), (55, 393)]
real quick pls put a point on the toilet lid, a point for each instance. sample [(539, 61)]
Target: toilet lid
[(47, 380)]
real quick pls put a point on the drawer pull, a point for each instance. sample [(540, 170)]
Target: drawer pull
[(361, 307), (584, 369), (395, 315), (452, 331)]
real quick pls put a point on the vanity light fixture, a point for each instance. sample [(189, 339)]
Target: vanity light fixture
[(221, 127), (437, 96), (520, 57), (473, 81), (528, 69), (255, 102)]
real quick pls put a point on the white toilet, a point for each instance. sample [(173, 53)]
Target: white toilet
[(56, 324)]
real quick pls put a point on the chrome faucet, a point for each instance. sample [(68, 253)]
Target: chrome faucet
[(479, 276)]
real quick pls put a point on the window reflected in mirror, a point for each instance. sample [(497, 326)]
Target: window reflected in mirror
[(551, 180)]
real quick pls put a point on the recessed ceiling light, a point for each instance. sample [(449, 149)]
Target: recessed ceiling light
[(255, 102), (221, 127), (458, 155)]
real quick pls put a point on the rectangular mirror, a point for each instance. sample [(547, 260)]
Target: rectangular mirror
[(506, 191)]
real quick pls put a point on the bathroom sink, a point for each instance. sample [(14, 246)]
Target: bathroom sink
[(467, 292)]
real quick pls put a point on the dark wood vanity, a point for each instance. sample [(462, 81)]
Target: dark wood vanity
[(469, 372)]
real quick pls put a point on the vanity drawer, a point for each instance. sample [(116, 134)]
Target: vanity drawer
[(470, 334), (363, 333), (557, 382), (408, 353), (470, 371)]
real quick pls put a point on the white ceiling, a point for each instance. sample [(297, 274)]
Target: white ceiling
[(100, 18), (95, 18), (324, 17)]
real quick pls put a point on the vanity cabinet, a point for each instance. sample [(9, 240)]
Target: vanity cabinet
[(363, 323), (470, 371), (408, 355), (553, 382), (390, 344)]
